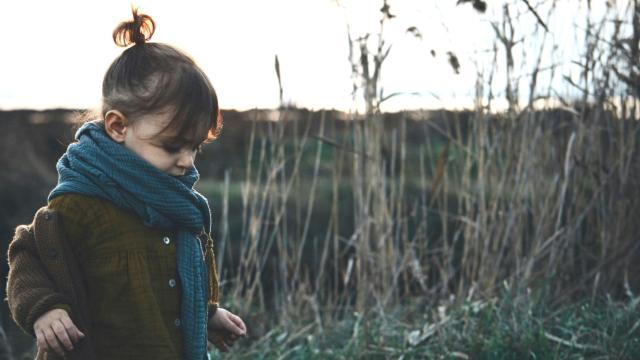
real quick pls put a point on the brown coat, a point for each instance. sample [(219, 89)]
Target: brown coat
[(44, 274)]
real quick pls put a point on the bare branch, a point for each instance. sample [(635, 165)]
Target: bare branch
[(536, 15)]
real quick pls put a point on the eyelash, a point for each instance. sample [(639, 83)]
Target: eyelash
[(171, 149), (174, 150)]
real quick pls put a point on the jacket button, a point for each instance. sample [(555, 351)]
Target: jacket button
[(53, 254), (177, 322), (172, 283), (166, 240), (47, 216)]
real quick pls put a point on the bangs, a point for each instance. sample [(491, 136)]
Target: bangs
[(195, 103)]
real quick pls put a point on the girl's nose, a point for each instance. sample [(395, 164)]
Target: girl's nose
[(186, 160)]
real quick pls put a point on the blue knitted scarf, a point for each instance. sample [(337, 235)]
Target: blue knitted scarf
[(98, 166)]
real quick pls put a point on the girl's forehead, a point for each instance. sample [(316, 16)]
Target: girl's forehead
[(163, 126), (178, 139), (170, 135)]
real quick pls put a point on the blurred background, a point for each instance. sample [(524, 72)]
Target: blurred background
[(395, 179)]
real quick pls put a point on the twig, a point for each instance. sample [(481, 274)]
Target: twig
[(536, 15), (572, 344)]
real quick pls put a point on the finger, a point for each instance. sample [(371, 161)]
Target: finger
[(232, 328), (40, 340), (62, 335), (74, 333), (237, 321), (221, 346), (230, 339), (53, 342)]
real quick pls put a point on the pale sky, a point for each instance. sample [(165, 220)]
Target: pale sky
[(55, 53)]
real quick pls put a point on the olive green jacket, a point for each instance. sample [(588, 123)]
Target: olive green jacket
[(116, 277)]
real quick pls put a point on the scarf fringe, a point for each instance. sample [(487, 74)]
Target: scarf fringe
[(209, 259)]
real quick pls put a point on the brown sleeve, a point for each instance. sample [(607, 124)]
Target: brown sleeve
[(30, 290)]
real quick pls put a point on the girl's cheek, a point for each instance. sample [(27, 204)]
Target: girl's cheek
[(167, 159)]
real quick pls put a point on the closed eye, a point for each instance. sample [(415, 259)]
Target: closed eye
[(174, 149), (171, 149)]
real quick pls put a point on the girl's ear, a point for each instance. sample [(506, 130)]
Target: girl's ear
[(116, 125)]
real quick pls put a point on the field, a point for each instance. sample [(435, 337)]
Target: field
[(477, 234), (458, 263)]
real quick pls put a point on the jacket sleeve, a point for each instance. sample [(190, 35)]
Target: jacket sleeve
[(30, 290)]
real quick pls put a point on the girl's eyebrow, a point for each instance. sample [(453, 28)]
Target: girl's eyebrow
[(181, 140)]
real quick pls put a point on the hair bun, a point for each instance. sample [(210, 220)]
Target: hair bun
[(137, 31)]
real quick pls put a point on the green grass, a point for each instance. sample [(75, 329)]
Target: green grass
[(506, 328)]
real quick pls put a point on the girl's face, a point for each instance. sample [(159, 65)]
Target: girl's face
[(163, 151)]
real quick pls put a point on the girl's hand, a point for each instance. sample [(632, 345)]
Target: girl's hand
[(55, 330), (230, 325)]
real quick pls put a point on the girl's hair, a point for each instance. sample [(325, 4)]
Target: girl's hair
[(150, 78)]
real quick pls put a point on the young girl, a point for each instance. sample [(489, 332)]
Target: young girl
[(119, 264)]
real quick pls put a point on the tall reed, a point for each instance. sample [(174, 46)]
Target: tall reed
[(357, 214)]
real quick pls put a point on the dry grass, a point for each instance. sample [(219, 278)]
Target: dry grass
[(542, 198)]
